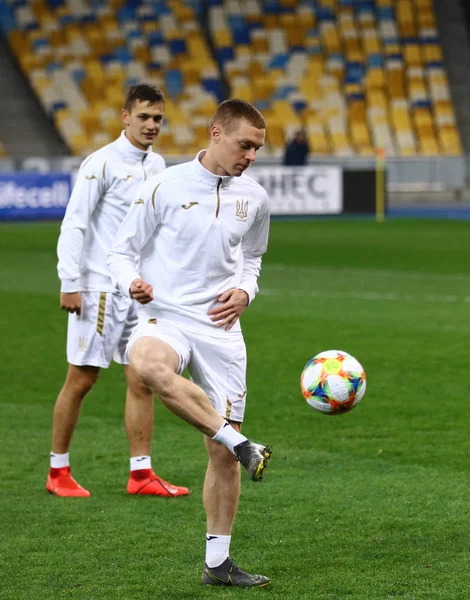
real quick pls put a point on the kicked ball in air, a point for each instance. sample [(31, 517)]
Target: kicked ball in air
[(333, 382)]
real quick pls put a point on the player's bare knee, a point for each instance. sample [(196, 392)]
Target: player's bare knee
[(159, 376), (138, 388), (153, 365), (152, 369), (82, 379)]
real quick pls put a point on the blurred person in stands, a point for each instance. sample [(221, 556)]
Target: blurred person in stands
[(100, 318), (200, 230), (297, 150)]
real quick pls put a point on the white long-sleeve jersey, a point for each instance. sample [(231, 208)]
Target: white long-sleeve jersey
[(107, 183), (197, 235)]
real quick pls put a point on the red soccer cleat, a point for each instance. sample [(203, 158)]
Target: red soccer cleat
[(145, 482), (61, 483)]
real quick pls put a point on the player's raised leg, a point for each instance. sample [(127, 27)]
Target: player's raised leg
[(79, 381), (156, 363), (139, 426)]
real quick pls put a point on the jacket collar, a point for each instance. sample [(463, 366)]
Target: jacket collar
[(129, 150), (208, 177)]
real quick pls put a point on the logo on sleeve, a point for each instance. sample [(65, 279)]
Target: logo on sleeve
[(188, 206), (241, 211), (89, 177), (139, 201), (127, 178)]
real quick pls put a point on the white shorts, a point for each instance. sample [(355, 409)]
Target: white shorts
[(102, 331), (216, 363)]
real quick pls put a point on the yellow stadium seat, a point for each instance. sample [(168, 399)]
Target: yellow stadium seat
[(264, 86), (223, 38), (396, 84), (377, 99), (340, 142), (306, 18), (79, 144), (371, 43), (330, 39), (318, 142), (270, 21), (259, 43), (244, 92), (450, 140), (374, 79), (182, 12), (428, 146), (433, 53), (426, 19), (275, 136), (390, 49), (412, 54), (360, 135), (90, 121)]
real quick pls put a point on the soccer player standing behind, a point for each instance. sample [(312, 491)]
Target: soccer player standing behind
[(200, 230), (100, 319)]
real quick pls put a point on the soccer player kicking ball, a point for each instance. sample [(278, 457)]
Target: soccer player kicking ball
[(200, 230), (100, 319)]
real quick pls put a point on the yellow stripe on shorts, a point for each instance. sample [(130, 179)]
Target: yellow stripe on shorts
[(228, 409), (101, 309)]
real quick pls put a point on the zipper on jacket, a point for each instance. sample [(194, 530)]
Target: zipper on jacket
[(143, 168), (218, 197)]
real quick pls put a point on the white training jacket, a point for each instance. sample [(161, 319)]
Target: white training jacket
[(107, 183), (197, 235)]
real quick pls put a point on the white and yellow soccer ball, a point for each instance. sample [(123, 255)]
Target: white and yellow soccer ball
[(333, 382)]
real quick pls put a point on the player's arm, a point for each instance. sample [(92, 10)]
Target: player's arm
[(88, 189), (139, 224), (254, 245)]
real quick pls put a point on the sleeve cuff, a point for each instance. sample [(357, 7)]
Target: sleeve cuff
[(69, 286), (125, 284), (250, 290)]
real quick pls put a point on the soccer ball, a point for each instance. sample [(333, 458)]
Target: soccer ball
[(333, 382)]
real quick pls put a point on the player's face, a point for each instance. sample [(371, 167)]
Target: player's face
[(143, 123), (237, 150)]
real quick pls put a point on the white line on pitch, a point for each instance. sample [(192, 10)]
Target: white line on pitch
[(366, 296), (369, 272)]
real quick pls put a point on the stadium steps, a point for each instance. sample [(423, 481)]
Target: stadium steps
[(455, 44), (26, 130), (203, 19)]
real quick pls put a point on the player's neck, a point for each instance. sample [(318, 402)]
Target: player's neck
[(135, 143), (209, 163)]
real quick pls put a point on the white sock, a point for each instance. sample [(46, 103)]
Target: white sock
[(58, 461), (229, 437), (140, 462), (217, 549)]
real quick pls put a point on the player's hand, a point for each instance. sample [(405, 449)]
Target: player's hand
[(141, 291), (71, 302), (230, 306)]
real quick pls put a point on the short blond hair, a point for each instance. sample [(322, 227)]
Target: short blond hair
[(230, 112)]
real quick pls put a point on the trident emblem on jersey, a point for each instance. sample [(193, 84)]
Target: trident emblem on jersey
[(242, 210)]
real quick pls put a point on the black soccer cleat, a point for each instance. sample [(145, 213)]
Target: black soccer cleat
[(254, 457), (229, 574)]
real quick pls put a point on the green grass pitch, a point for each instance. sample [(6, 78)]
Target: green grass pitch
[(370, 505)]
